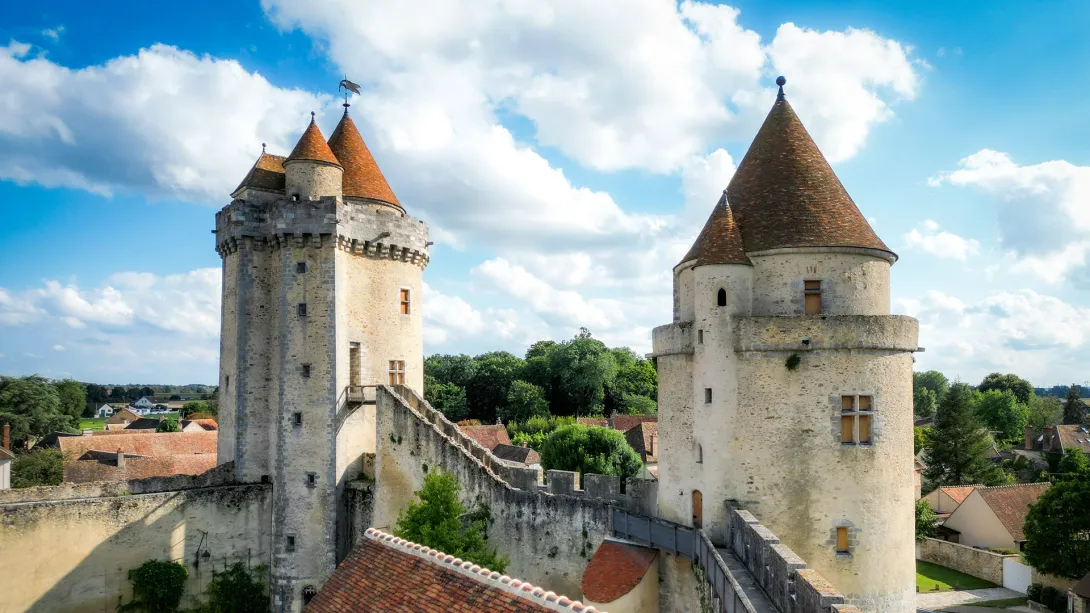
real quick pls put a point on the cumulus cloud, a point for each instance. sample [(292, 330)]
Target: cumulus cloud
[(53, 34), (941, 244), (1044, 221)]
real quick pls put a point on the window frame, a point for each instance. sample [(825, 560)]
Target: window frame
[(301, 309), (846, 547), (396, 371), (808, 291), (852, 411), (297, 418), (405, 298)]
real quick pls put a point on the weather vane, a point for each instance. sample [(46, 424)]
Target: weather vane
[(347, 86)]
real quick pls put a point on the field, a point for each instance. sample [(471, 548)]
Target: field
[(935, 578), (98, 423)]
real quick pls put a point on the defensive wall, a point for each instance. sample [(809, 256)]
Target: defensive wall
[(69, 547)]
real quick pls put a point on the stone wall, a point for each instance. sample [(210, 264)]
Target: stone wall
[(69, 548), (853, 281), (976, 562), (549, 533)]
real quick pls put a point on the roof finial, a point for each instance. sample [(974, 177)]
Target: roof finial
[(262, 148), (781, 82)]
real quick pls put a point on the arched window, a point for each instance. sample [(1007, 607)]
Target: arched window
[(721, 298)]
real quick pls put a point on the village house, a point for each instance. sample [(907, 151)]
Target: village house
[(121, 419), (517, 454), (1059, 437), (944, 500), (104, 411), (488, 436), (127, 455), (992, 517)]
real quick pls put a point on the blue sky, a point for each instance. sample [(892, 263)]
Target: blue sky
[(565, 156)]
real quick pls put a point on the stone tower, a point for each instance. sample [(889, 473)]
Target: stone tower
[(322, 277), (785, 384)]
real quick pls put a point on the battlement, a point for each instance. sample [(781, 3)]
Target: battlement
[(672, 339)]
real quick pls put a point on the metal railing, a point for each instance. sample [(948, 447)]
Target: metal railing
[(352, 398)]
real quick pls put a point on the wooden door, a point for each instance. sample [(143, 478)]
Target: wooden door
[(698, 509)]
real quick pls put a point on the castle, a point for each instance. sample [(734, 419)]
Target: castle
[(785, 411)]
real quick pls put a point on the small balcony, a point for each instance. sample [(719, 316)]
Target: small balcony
[(355, 395)]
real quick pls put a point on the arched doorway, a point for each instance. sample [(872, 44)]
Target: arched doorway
[(698, 509)]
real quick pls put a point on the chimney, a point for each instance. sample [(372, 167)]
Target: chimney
[(7, 437), (120, 460), (522, 444)]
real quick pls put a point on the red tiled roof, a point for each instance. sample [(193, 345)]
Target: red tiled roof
[(615, 570), (720, 242), (594, 421), (515, 453), (624, 423), (1074, 437), (267, 173), (644, 439), (312, 146), (785, 194), (1010, 503), (122, 416), (959, 492), (487, 436), (6, 455), (384, 573), (149, 445), (362, 177), (105, 468)]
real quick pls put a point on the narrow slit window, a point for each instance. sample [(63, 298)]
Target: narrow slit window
[(397, 372), (301, 309), (812, 293), (306, 371), (405, 302), (312, 479), (707, 395), (298, 418), (699, 337), (300, 267), (227, 383), (699, 454), (289, 543), (721, 297), (842, 540)]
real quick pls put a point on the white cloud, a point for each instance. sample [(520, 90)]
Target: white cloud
[(563, 307), (941, 244), (53, 34), (1044, 220), (58, 347), (451, 323)]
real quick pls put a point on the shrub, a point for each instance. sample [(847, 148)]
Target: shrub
[(37, 467), (236, 590), (1033, 592), (157, 587), (595, 450), (168, 425)]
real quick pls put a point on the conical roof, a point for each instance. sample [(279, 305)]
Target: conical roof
[(720, 242), (312, 146), (785, 194), (267, 173), (362, 177)]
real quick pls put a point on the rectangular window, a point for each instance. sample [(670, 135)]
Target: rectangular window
[(301, 309), (855, 420), (397, 372), (312, 479), (847, 429), (306, 370), (300, 267), (404, 301), (812, 293), (699, 337), (289, 542), (707, 395), (298, 418), (842, 540)]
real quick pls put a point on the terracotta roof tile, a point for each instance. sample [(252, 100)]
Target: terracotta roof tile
[(515, 453), (487, 436), (615, 570), (149, 445), (643, 438), (122, 416), (267, 173), (1010, 503), (785, 194), (602, 422), (1074, 437), (312, 146), (144, 423), (102, 466), (624, 423), (720, 242), (362, 177), (959, 492), (384, 573)]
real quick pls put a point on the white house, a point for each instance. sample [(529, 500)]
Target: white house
[(5, 459), (143, 406), (105, 411)]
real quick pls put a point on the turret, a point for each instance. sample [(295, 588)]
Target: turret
[(363, 181), (312, 171)]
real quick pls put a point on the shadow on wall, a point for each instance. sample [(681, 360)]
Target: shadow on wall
[(65, 553)]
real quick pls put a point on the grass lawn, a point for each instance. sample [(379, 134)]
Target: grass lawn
[(935, 578), (1005, 603), (96, 423)]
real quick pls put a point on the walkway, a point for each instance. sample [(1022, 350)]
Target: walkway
[(747, 582), (936, 601)]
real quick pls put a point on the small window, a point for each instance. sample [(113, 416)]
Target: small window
[(298, 418), (397, 372), (300, 267), (707, 395), (289, 542), (699, 337), (812, 292), (721, 297), (301, 309), (312, 479), (306, 370), (842, 540), (227, 383), (699, 454), (309, 592), (855, 420), (404, 301)]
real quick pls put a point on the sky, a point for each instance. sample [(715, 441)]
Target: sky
[(564, 154)]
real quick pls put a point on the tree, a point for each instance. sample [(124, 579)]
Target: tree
[(583, 367), (1002, 413), (174, 397), (213, 405), (157, 587), (434, 519), (926, 520), (37, 467), (147, 391), (1056, 528), (73, 398), (1073, 463), (932, 380), (33, 408), (1074, 408), (487, 390), (524, 400), (119, 394), (1044, 412), (195, 406), (636, 377), (923, 402), (638, 405), (919, 440), (133, 394), (1018, 386), (958, 443), (540, 349), (447, 398), (96, 393), (593, 449), (236, 590), (456, 369), (168, 425)]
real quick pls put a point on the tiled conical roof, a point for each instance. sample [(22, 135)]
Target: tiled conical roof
[(267, 173), (362, 177), (312, 146), (785, 194), (720, 242)]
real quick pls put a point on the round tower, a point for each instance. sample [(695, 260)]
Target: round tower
[(312, 171), (785, 383)]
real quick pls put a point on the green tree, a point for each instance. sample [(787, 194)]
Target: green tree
[(435, 518), (32, 406), (919, 440), (926, 520), (133, 394), (447, 398), (958, 444), (73, 398), (456, 369), (1074, 463), (1044, 411), (636, 377), (195, 406), (96, 394), (583, 367), (157, 587), (595, 450), (1074, 408), (37, 467), (1056, 529), (1002, 413), (540, 349), (118, 394), (923, 402), (639, 405), (213, 406), (524, 400), (487, 390), (932, 380), (168, 425), (235, 590), (1021, 388)]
